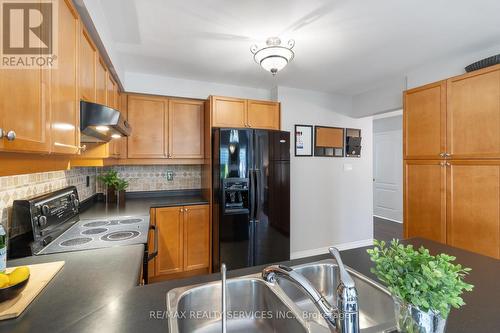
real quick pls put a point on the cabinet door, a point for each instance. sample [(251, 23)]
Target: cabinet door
[(228, 112), (25, 109), (170, 224), (424, 120), (262, 114), (474, 206), (101, 80), (425, 200), (474, 115), (65, 106), (196, 237), (88, 59), (111, 92), (148, 117), (185, 128)]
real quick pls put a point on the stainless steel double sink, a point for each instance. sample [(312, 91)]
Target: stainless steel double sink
[(254, 305)]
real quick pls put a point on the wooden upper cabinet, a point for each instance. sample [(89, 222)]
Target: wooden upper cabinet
[(238, 113), (474, 206), (148, 117), (88, 60), (425, 200), (185, 122), (65, 105), (474, 115), (263, 114), (228, 112), (170, 224), (101, 81), (196, 237), (25, 110), (112, 92), (424, 120)]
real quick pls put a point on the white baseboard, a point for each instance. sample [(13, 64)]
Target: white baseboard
[(324, 250), (388, 219)]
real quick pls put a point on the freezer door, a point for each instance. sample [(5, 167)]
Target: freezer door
[(272, 196), (232, 230)]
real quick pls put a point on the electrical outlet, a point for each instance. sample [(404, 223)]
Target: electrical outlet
[(170, 175)]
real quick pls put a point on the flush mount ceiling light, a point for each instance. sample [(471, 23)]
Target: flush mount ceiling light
[(274, 56)]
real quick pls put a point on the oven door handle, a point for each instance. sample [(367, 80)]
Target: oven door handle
[(151, 256)]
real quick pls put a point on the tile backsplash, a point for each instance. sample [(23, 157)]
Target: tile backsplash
[(140, 178), (22, 186), (154, 177)]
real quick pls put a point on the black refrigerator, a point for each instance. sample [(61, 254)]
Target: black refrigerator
[(251, 197)]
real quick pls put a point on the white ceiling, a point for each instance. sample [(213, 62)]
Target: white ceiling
[(341, 46)]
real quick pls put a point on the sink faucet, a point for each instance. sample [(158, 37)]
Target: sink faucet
[(344, 317), (224, 295)]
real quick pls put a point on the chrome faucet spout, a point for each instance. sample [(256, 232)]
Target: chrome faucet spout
[(281, 271), (342, 318), (224, 295)]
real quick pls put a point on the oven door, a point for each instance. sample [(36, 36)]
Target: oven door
[(149, 256)]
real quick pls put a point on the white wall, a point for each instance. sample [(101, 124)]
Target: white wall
[(329, 206), (388, 96), (162, 85)]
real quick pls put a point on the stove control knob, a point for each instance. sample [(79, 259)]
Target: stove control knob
[(45, 241), (76, 203), (72, 196), (42, 221), (45, 210)]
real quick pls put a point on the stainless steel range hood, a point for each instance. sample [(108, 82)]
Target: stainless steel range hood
[(99, 123)]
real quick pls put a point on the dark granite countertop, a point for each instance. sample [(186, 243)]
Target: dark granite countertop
[(88, 281), (139, 203), (131, 312)]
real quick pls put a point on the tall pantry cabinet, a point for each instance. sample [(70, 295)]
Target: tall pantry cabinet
[(452, 162)]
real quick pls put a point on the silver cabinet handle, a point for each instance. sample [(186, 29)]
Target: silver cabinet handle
[(11, 135), (447, 154), (443, 164), (1, 133), (442, 154)]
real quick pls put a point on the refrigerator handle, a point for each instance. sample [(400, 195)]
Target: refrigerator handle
[(256, 195), (252, 194)]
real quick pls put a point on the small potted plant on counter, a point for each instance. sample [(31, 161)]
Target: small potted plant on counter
[(424, 287), (120, 186), (109, 179)]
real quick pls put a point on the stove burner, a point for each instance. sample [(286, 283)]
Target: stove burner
[(120, 235), (130, 221), (94, 231), (96, 224), (76, 241)]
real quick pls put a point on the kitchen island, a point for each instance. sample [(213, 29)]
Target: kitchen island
[(142, 309)]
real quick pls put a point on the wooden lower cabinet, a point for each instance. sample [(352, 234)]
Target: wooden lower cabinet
[(425, 200), (456, 202), (473, 206), (183, 243)]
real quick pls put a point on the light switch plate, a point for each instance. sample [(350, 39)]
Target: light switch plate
[(170, 175), (347, 167)]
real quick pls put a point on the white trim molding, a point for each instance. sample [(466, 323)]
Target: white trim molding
[(324, 250), (388, 219)]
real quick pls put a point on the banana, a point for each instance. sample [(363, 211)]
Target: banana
[(18, 275)]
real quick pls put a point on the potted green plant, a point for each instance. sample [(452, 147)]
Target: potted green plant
[(424, 287), (120, 187), (109, 179)]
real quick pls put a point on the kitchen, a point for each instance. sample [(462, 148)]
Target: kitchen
[(137, 167)]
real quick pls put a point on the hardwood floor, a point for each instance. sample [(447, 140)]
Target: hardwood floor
[(386, 230)]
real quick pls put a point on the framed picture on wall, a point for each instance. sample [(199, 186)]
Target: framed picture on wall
[(303, 140)]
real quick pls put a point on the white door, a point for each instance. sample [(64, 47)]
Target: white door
[(388, 175)]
